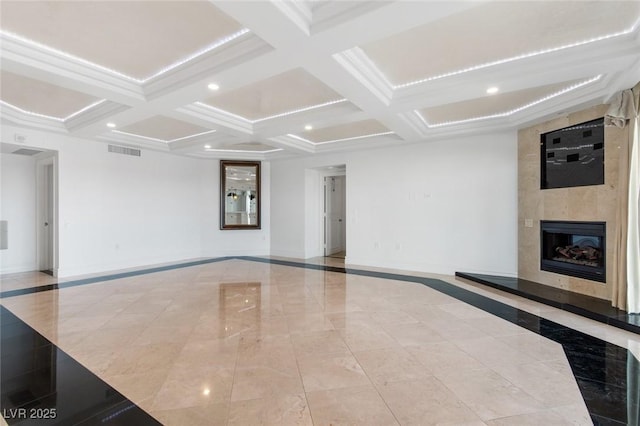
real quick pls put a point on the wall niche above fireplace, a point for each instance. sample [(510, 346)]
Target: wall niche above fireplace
[(573, 156), (574, 248)]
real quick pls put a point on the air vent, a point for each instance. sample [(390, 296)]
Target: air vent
[(124, 150), (25, 151)]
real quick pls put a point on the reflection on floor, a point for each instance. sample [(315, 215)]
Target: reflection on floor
[(338, 255), (248, 341)]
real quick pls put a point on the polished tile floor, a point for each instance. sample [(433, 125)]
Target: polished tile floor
[(269, 341)]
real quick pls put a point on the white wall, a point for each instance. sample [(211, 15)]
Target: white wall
[(18, 207), (437, 207), (238, 242), (118, 211)]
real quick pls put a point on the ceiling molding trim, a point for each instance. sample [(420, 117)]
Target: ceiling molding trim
[(292, 143), (136, 136), (240, 49), (334, 12), (36, 55), (21, 117), (198, 137), (267, 151), (213, 46), (239, 122), (85, 109), (225, 155), (360, 144), (299, 110), (30, 113), (626, 32), (596, 94), (9, 36), (213, 140), (135, 142), (510, 112), (360, 66), (353, 138), (297, 12), (415, 122), (102, 111), (217, 116)]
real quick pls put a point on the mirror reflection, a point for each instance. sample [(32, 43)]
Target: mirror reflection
[(240, 194)]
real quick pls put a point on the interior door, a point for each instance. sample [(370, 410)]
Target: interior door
[(335, 208), (46, 220)]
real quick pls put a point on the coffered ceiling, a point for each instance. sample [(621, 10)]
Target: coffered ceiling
[(271, 79)]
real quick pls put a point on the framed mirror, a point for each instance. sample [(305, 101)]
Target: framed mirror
[(239, 194)]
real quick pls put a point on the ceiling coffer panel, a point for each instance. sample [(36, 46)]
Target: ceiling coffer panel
[(117, 34), (164, 128), (495, 31), (490, 105), (344, 131), (41, 98), (290, 91)]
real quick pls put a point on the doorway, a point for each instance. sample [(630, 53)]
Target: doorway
[(335, 200), (46, 214)]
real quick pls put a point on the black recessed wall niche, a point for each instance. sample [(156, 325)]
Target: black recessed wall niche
[(573, 156)]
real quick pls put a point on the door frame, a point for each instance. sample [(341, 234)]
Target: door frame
[(324, 174), (43, 161)]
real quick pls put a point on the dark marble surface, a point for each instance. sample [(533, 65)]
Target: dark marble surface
[(42, 385), (589, 307)]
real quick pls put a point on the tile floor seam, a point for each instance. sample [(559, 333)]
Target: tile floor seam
[(462, 401), (425, 282)]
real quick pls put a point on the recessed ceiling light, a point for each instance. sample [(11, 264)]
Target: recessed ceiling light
[(492, 90), (111, 125), (207, 147), (213, 86), (308, 127)]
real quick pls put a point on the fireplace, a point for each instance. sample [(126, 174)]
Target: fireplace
[(573, 248)]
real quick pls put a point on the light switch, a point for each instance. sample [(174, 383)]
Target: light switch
[(528, 223)]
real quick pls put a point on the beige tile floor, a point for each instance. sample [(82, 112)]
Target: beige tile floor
[(244, 343)]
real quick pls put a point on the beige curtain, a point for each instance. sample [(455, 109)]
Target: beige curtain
[(625, 290), (633, 225)]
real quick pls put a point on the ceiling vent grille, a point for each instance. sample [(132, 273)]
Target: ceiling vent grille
[(25, 151), (124, 150)]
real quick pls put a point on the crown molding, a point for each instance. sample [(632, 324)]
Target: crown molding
[(217, 116), (96, 114), (243, 48), (21, 118), (215, 139), (333, 12), (53, 62), (297, 12), (362, 68), (235, 154), (293, 144), (365, 142), (414, 122)]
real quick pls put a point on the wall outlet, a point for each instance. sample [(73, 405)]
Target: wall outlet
[(528, 223)]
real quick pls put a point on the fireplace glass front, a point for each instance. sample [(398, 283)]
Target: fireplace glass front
[(573, 248)]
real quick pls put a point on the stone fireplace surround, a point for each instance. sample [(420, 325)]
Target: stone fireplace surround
[(596, 203)]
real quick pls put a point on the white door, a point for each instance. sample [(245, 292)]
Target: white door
[(335, 209), (46, 217)]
